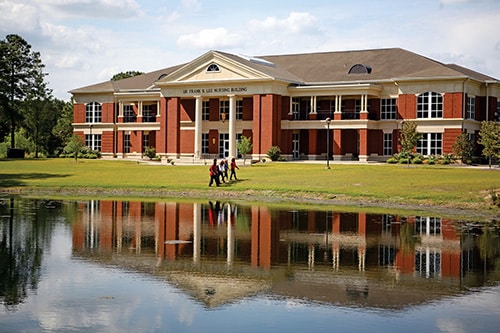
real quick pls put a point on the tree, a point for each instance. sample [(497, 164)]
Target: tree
[(463, 148), (125, 75), (63, 129), (20, 75), (74, 146), (244, 146), (489, 138), (409, 137)]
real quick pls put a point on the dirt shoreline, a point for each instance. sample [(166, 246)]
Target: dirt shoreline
[(471, 213)]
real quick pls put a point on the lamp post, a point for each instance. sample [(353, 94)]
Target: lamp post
[(328, 120)]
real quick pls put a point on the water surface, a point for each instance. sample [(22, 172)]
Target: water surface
[(119, 266)]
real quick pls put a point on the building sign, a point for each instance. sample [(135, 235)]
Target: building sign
[(221, 90)]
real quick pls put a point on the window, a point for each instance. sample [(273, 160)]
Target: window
[(295, 108), (388, 108), (430, 105), (223, 110), (145, 141), (425, 225), (205, 110), (430, 144), (213, 68), (360, 69), (93, 112), (93, 141), (427, 263), (126, 143), (204, 143), (239, 109), (128, 113), (387, 144), (471, 108), (148, 115)]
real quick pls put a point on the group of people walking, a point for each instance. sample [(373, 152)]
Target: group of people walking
[(218, 172)]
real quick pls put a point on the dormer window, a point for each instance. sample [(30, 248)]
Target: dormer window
[(213, 68), (360, 69)]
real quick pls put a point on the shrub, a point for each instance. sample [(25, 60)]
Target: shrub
[(392, 160), (274, 153), (417, 160), (150, 152)]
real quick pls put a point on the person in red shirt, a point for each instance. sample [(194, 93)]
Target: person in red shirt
[(233, 169), (214, 173)]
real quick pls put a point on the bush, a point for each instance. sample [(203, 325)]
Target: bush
[(417, 160), (274, 153), (150, 152), (392, 160)]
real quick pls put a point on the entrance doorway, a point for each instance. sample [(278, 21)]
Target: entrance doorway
[(296, 146), (223, 145)]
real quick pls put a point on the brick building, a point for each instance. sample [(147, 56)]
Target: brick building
[(350, 103)]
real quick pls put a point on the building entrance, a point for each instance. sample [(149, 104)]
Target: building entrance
[(223, 145)]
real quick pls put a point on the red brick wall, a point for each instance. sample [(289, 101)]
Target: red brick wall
[(187, 142), (267, 122), (173, 112), (79, 113), (108, 112), (407, 106), (375, 107), (107, 142), (452, 105), (449, 138)]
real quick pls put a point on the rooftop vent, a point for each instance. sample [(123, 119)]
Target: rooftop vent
[(360, 69)]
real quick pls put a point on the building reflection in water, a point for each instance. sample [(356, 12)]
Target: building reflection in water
[(219, 252)]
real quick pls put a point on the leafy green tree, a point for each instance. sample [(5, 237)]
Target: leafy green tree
[(489, 138), (125, 75), (21, 73), (463, 148), (74, 146), (244, 146), (409, 137), (63, 129)]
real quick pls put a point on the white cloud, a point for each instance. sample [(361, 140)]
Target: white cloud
[(115, 9), (193, 5), (209, 39), (18, 17), (294, 23)]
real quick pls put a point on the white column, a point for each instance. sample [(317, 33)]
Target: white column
[(196, 232), (198, 127), (364, 103), (139, 109), (338, 104), (313, 104), (232, 126)]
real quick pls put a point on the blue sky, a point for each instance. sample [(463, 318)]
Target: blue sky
[(83, 42)]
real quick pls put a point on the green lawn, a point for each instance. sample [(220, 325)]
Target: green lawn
[(449, 186)]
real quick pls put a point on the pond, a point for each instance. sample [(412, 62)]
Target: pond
[(119, 266)]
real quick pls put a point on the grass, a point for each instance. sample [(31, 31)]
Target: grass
[(370, 184)]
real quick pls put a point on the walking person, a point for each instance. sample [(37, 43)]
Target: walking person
[(214, 173), (226, 169), (233, 169), (221, 171)]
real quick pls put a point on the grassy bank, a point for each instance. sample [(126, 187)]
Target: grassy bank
[(382, 185)]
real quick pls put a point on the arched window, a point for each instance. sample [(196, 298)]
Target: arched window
[(213, 68), (93, 112), (430, 105)]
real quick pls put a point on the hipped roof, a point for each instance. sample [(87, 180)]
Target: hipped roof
[(316, 68)]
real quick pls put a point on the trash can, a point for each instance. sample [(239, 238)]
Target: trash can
[(15, 153)]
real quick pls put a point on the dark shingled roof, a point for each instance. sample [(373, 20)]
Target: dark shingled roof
[(317, 68)]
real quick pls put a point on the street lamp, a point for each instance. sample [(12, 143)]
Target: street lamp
[(328, 120)]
